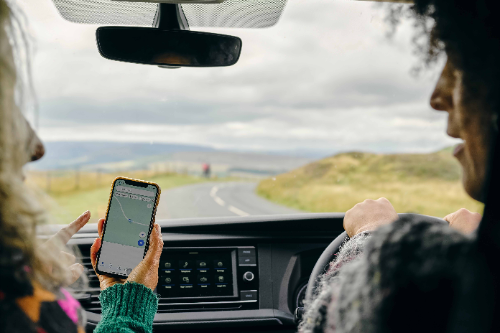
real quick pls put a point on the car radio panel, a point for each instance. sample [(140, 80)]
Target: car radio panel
[(212, 274)]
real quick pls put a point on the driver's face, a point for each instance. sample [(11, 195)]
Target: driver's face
[(467, 121)]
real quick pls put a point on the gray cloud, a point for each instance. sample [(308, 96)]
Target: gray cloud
[(326, 77)]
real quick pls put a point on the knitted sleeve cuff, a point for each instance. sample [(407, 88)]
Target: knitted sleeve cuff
[(130, 300), (350, 249)]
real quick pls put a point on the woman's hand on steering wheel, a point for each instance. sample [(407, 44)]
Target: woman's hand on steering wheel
[(464, 220), (368, 216), (365, 216)]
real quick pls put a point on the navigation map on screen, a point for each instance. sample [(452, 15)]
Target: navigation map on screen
[(127, 227)]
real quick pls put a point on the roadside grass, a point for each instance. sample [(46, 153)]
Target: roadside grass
[(414, 183), (65, 202)]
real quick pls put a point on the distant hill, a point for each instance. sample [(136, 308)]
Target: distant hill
[(114, 156), (68, 154), (420, 183)]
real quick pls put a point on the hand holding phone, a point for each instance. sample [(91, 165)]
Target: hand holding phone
[(145, 273), (129, 222)]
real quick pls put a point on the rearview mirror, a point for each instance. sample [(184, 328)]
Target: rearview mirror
[(153, 46)]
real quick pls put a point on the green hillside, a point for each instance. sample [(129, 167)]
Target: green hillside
[(418, 183)]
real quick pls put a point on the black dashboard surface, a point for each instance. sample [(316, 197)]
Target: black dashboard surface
[(286, 246)]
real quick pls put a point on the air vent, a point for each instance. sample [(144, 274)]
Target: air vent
[(86, 289), (165, 306)]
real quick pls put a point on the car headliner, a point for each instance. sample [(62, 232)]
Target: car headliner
[(228, 14)]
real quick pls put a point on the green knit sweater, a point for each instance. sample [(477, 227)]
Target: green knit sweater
[(129, 307)]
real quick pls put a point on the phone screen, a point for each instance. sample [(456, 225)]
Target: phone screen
[(126, 232)]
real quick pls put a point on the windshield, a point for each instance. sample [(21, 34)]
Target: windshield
[(321, 111)]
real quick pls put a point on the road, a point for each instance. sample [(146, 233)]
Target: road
[(216, 199)]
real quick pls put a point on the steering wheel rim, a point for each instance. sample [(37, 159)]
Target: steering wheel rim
[(327, 255)]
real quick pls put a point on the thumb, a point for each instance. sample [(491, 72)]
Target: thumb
[(450, 217), (155, 246), (93, 251)]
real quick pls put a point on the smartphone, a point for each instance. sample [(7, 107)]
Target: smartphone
[(129, 222)]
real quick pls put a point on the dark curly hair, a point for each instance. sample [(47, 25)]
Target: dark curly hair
[(468, 32)]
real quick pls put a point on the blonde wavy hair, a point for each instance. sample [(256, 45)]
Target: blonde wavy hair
[(24, 259)]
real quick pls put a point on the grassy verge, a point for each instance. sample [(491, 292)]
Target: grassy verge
[(65, 205), (425, 183)]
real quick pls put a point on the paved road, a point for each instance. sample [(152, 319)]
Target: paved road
[(216, 200)]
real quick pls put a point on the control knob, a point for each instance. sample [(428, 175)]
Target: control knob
[(248, 276)]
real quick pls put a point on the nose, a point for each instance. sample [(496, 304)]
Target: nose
[(36, 149), (439, 101), (38, 152), (442, 96)]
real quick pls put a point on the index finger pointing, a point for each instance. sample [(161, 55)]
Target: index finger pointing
[(65, 234)]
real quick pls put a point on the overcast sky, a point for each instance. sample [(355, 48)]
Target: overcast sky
[(325, 78)]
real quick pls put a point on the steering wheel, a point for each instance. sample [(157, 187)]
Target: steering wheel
[(327, 255)]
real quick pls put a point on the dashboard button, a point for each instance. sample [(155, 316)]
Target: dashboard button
[(248, 295), (168, 280), (221, 278), (202, 264), (248, 276), (250, 252), (186, 279), (247, 261), (185, 264), (220, 264), (203, 279), (168, 264)]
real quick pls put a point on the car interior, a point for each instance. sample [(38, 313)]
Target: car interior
[(227, 274), (261, 266)]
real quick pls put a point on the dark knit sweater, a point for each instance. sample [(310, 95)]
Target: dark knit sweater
[(399, 279), (130, 307)]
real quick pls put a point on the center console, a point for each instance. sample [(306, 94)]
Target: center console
[(208, 278)]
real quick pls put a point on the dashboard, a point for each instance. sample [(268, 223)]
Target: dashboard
[(227, 274)]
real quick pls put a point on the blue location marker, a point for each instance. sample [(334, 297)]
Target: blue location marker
[(140, 242)]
